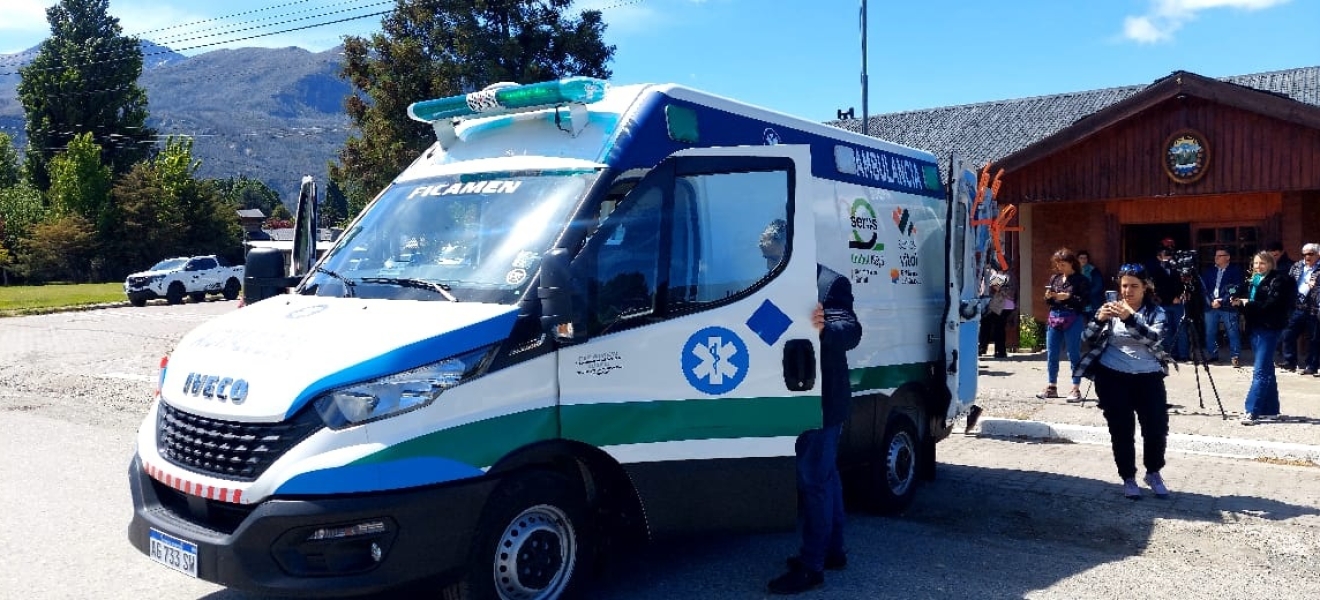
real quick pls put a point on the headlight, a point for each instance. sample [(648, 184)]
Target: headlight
[(155, 278), (398, 393)]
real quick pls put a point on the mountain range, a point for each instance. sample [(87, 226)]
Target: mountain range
[(273, 114)]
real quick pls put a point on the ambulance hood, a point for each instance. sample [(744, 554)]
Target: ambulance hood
[(268, 360)]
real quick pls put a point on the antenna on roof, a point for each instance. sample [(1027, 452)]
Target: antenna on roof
[(864, 83)]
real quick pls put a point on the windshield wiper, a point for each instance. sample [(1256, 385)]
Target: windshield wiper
[(348, 283), (438, 288)]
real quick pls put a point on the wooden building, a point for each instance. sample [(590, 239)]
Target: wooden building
[(1231, 162)]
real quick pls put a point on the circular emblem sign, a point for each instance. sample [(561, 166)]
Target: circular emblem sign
[(715, 360), (1186, 156)]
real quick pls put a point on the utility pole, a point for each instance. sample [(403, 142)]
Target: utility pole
[(865, 125)]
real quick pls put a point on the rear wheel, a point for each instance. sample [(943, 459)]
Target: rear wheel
[(531, 542), (232, 286), (894, 472), (174, 295)]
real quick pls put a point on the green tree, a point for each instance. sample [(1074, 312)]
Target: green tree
[(436, 48), (334, 206), (61, 248), (21, 208), (79, 183), (84, 80), (10, 168), (163, 210), (247, 193)]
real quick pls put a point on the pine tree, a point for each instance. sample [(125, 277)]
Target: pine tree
[(84, 80), (435, 48)]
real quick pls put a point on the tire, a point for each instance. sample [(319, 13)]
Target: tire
[(174, 295), (197, 297), (137, 301), (541, 516), (232, 287), (894, 473)]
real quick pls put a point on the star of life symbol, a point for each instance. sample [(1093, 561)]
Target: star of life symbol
[(715, 360), (714, 365)]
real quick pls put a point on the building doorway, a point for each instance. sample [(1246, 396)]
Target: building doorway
[(1141, 241)]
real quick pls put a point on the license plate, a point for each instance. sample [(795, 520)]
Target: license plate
[(177, 554)]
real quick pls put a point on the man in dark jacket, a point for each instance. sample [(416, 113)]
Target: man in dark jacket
[(1221, 281), (820, 491), (1169, 290)]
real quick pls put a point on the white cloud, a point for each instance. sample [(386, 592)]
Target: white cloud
[(24, 15), (1166, 17)]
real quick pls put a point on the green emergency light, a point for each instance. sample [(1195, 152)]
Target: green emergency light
[(504, 98)]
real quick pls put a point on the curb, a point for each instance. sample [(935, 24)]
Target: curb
[(50, 310), (1178, 442)]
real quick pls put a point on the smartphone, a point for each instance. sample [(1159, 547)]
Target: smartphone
[(1111, 296)]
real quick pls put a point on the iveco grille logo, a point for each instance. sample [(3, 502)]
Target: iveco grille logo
[(216, 387)]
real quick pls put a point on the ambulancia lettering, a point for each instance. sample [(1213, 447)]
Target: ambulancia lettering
[(216, 387)]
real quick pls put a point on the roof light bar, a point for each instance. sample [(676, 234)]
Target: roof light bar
[(510, 98)]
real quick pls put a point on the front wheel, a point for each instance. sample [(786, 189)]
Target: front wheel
[(894, 472), (531, 542), (174, 294), (232, 286)]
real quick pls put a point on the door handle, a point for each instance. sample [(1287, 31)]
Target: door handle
[(799, 365)]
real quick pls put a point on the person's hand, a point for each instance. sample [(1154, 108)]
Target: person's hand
[(818, 317), (1215, 304)]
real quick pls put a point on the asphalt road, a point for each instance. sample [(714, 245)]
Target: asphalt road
[(1004, 520)]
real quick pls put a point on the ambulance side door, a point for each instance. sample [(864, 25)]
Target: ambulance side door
[(694, 362), (962, 319)]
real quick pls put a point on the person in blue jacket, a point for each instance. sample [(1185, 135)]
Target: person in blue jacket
[(820, 490), (1221, 281)]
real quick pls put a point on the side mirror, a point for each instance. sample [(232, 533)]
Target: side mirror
[(556, 294), (304, 230), (263, 276)]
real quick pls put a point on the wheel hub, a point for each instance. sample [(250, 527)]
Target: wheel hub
[(902, 464), (535, 555)]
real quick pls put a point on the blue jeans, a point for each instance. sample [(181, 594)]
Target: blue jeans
[(1072, 337), (1263, 397), (1301, 322), (1175, 337), (1213, 317), (820, 496)]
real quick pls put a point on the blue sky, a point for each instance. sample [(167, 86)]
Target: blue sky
[(804, 56)]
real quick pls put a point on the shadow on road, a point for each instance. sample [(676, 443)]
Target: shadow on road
[(974, 533)]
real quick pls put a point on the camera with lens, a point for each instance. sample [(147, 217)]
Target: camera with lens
[(1184, 261)]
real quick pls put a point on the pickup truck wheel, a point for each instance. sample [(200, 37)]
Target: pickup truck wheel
[(894, 472), (232, 286), (531, 542), (174, 295), (197, 296)]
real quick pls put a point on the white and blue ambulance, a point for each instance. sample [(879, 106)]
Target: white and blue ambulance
[(555, 333)]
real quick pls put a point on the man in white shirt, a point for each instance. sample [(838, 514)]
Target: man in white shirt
[(1303, 319)]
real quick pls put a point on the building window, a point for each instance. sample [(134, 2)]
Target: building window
[(1241, 241)]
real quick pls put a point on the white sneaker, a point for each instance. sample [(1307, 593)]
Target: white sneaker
[(1130, 489), (1267, 417), (1156, 484), (1249, 419)]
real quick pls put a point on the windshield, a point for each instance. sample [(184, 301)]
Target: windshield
[(472, 237), (169, 264)]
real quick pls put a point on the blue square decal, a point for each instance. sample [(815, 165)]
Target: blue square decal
[(769, 323)]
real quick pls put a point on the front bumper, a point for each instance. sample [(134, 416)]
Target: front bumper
[(264, 548)]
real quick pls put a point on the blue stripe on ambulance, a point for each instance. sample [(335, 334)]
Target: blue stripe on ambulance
[(392, 475)]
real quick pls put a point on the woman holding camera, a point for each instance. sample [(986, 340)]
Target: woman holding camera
[(1267, 303), (1128, 364), (1066, 296)]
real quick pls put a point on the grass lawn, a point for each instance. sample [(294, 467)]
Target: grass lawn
[(35, 298)]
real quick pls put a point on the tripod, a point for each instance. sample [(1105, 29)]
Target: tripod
[(1194, 317)]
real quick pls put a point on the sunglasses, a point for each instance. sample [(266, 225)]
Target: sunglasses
[(1132, 270)]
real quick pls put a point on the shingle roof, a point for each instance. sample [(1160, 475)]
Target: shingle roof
[(989, 131), (251, 213)]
